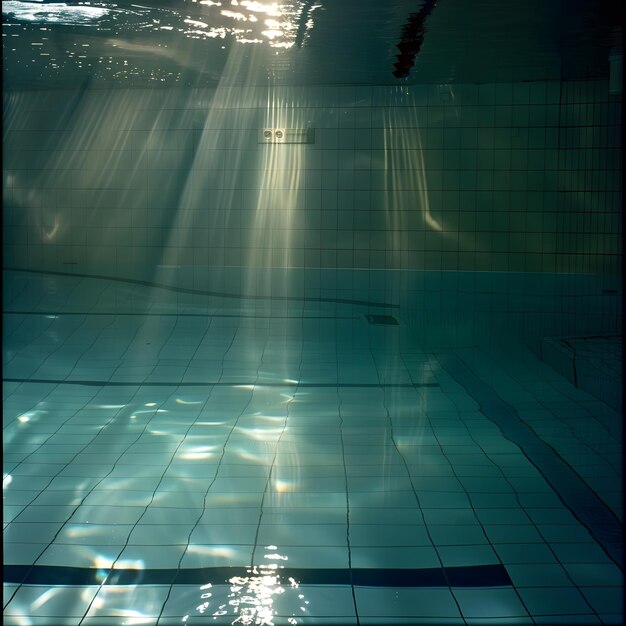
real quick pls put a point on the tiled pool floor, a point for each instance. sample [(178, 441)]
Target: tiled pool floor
[(177, 459)]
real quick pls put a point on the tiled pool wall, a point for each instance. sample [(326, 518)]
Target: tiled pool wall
[(468, 208)]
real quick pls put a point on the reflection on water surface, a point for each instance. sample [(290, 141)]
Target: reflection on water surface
[(251, 598)]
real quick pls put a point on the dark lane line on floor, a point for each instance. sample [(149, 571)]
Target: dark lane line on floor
[(464, 576), (575, 493), (148, 314), (202, 292), (245, 383)]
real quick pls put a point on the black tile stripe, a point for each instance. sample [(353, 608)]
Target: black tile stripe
[(575, 493), (202, 292), (106, 383), (465, 576)]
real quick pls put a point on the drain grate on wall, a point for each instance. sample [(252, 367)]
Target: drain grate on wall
[(384, 320)]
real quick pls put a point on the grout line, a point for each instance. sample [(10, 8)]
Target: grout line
[(345, 478), (102, 383), (225, 315)]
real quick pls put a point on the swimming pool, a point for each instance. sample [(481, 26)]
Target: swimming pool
[(312, 314), (182, 457)]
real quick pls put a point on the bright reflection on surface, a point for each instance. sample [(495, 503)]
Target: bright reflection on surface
[(202, 449), (7, 480), (283, 486), (158, 432), (261, 434), (44, 597), (130, 564), (113, 601), (181, 401), (251, 598), (215, 551), (50, 235), (53, 12), (235, 15), (259, 7), (247, 455), (196, 456), (278, 22), (103, 562)]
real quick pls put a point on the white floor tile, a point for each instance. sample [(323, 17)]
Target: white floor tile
[(128, 601), (424, 603), (54, 602)]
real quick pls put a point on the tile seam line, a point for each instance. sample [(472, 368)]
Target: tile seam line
[(105, 383), (217, 294), (555, 471), (207, 315)]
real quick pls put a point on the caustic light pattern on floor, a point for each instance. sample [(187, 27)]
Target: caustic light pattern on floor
[(172, 460)]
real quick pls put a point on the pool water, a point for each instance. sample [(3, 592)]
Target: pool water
[(179, 456), (312, 313)]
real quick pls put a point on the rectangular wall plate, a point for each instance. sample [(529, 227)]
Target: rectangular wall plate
[(382, 320), (287, 135)]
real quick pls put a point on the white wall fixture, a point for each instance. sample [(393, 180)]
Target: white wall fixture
[(287, 135)]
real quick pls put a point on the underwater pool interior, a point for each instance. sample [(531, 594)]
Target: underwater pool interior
[(312, 313)]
